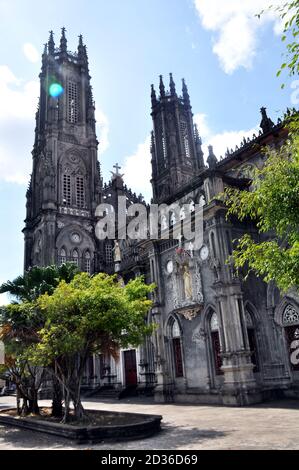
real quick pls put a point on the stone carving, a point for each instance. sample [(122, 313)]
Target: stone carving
[(187, 282), (199, 335), (290, 316), (60, 224), (88, 227), (117, 254)]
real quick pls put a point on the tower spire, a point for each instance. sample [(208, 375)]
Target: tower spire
[(51, 44), (185, 92), (81, 50), (153, 96), (212, 160), (63, 41), (172, 86), (162, 87), (198, 144), (266, 123)]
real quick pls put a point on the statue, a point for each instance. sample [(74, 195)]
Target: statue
[(117, 255), (187, 282)]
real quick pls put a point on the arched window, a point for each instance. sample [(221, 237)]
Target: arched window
[(75, 257), (72, 102), (215, 339), (66, 190), (228, 242), (182, 213), (191, 206), (202, 201), (177, 349), (213, 244), (172, 218), (87, 262), (184, 132), (290, 320), (80, 194), (62, 256), (252, 341), (108, 254)]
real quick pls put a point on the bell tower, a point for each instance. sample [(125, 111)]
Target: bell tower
[(176, 146), (65, 184)]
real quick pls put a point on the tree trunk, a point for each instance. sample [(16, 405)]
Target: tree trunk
[(57, 410), (33, 402)]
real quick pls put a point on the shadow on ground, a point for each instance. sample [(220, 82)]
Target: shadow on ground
[(171, 437)]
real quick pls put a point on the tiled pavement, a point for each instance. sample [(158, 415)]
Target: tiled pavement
[(268, 426)]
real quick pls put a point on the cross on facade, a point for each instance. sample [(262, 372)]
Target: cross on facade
[(117, 167)]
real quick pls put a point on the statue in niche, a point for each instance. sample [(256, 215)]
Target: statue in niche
[(117, 254), (187, 282)]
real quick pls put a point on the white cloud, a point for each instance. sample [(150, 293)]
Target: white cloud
[(18, 105), (31, 53), (138, 171), (236, 28), (222, 140), (18, 102)]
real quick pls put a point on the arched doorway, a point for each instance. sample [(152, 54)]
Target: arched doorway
[(290, 322), (175, 342), (215, 343)]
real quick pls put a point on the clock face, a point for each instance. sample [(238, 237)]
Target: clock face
[(169, 266), (204, 252), (76, 237)]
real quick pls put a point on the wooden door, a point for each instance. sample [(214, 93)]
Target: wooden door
[(130, 368)]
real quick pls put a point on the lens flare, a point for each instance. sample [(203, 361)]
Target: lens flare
[(55, 90)]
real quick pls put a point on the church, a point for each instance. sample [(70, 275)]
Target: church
[(220, 339)]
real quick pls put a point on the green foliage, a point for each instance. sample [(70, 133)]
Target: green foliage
[(274, 204), (92, 314), (289, 14), (38, 280)]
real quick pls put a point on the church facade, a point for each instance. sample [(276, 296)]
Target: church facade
[(220, 339)]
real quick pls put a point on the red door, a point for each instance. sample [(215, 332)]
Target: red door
[(130, 367)]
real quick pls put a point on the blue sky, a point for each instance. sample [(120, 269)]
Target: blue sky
[(228, 57)]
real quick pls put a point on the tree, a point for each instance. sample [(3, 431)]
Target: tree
[(38, 280), (88, 315), (274, 205), (273, 201), (288, 12), (19, 324)]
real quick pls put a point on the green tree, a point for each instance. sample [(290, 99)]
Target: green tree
[(38, 280), (88, 315), (274, 205), (273, 202), (19, 324)]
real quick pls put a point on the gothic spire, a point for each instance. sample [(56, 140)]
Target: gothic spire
[(185, 92), (212, 160), (172, 86), (153, 96), (162, 87), (51, 44), (81, 50), (63, 41), (266, 123), (198, 144)]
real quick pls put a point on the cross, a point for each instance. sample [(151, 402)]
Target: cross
[(117, 167)]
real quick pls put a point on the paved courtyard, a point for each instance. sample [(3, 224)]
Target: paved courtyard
[(268, 426)]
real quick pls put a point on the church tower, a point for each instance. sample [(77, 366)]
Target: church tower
[(65, 184), (176, 151)]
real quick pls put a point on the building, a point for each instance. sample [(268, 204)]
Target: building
[(220, 339)]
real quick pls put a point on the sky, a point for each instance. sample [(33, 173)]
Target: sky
[(228, 57)]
